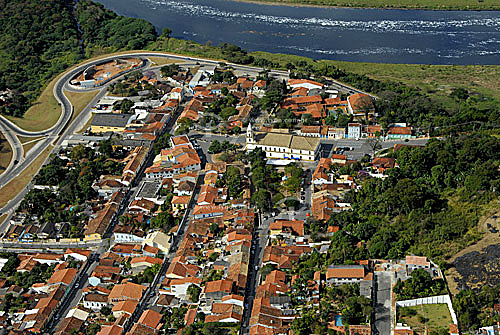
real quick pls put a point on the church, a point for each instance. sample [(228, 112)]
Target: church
[(283, 146)]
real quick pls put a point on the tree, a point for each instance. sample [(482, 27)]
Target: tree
[(215, 147), (105, 310), (261, 199), (194, 292)]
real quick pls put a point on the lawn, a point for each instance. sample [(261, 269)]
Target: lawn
[(43, 114), (80, 100), (415, 4), (17, 184), (5, 153), (425, 317)]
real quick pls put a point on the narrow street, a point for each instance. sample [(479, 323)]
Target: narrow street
[(382, 303)]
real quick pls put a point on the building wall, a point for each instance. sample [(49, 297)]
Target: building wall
[(104, 129)]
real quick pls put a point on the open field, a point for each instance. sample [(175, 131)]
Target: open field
[(43, 114), (20, 182), (80, 100), (157, 61), (5, 153), (425, 317), (407, 4)]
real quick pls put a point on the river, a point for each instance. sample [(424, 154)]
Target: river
[(365, 35)]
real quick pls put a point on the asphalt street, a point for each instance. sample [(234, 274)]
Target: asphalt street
[(382, 303)]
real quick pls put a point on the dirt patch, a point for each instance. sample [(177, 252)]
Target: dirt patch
[(477, 264)]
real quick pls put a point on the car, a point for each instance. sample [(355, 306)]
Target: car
[(16, 161), (302, 198), (256, 268), (77, 285)]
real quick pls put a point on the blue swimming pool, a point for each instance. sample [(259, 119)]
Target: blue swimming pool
[(338, 320)]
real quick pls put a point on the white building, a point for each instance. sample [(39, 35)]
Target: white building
[(284, 146), (354, 131)]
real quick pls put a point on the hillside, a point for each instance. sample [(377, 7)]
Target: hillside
[(40, 38)]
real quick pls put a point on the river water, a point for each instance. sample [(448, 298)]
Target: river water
[(367, 35)]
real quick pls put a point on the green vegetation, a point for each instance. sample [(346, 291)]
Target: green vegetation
[(435, 318), (211, 328), (419, 205), (74, 185), (104, 31), (476, 308), (233, 182), (344, 299), (419, 285), (174, 318), (39, 274), (407, 4), (40, 39), (194, 293), (265, 180), (147, 276)]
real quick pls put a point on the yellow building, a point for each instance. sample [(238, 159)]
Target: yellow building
[(109, 122)]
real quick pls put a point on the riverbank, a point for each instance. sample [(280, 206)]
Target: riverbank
[(385, 4)]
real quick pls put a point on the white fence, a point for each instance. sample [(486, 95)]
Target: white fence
[(438, 299)]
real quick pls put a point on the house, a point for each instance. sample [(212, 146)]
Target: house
[(64, 277), (218, 288), (127, 291), (158, 240), (283, 146), (417, 262), (139, 264), (336, 133), (95, 301), (141, 205), (109, 122), (286, 227), (312, 131), (78, 254), (125, 307), (360, 106), (305, 83), (150, 319), (128, 234), (201, 212), (179, 287), (399, 133), (97, 226), (372, 131), (354, 131), (343, 274), (382, 164), (110, 330), (180, 202)]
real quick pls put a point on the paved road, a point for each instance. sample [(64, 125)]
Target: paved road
[(382, 303)]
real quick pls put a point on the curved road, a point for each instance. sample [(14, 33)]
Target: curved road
[(11, 130)]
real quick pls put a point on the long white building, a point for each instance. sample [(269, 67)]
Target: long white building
[(284, 146)]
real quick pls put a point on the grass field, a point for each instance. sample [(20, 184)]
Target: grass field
[(409, 4), (425, 317), (43, 114), (17, 184), (80, 100), (5, 153)]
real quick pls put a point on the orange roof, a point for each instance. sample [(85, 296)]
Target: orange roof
[(360, 101), (190, 316), (180, 200), (294, 82), (110, 330), (296, 226), (222, 285), (127, 306), (400, 131), (417, 260), (150, 318), (63, 276), (345, 271), (127, 290)]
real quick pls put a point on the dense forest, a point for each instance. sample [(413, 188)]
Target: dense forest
[(41, 38)]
